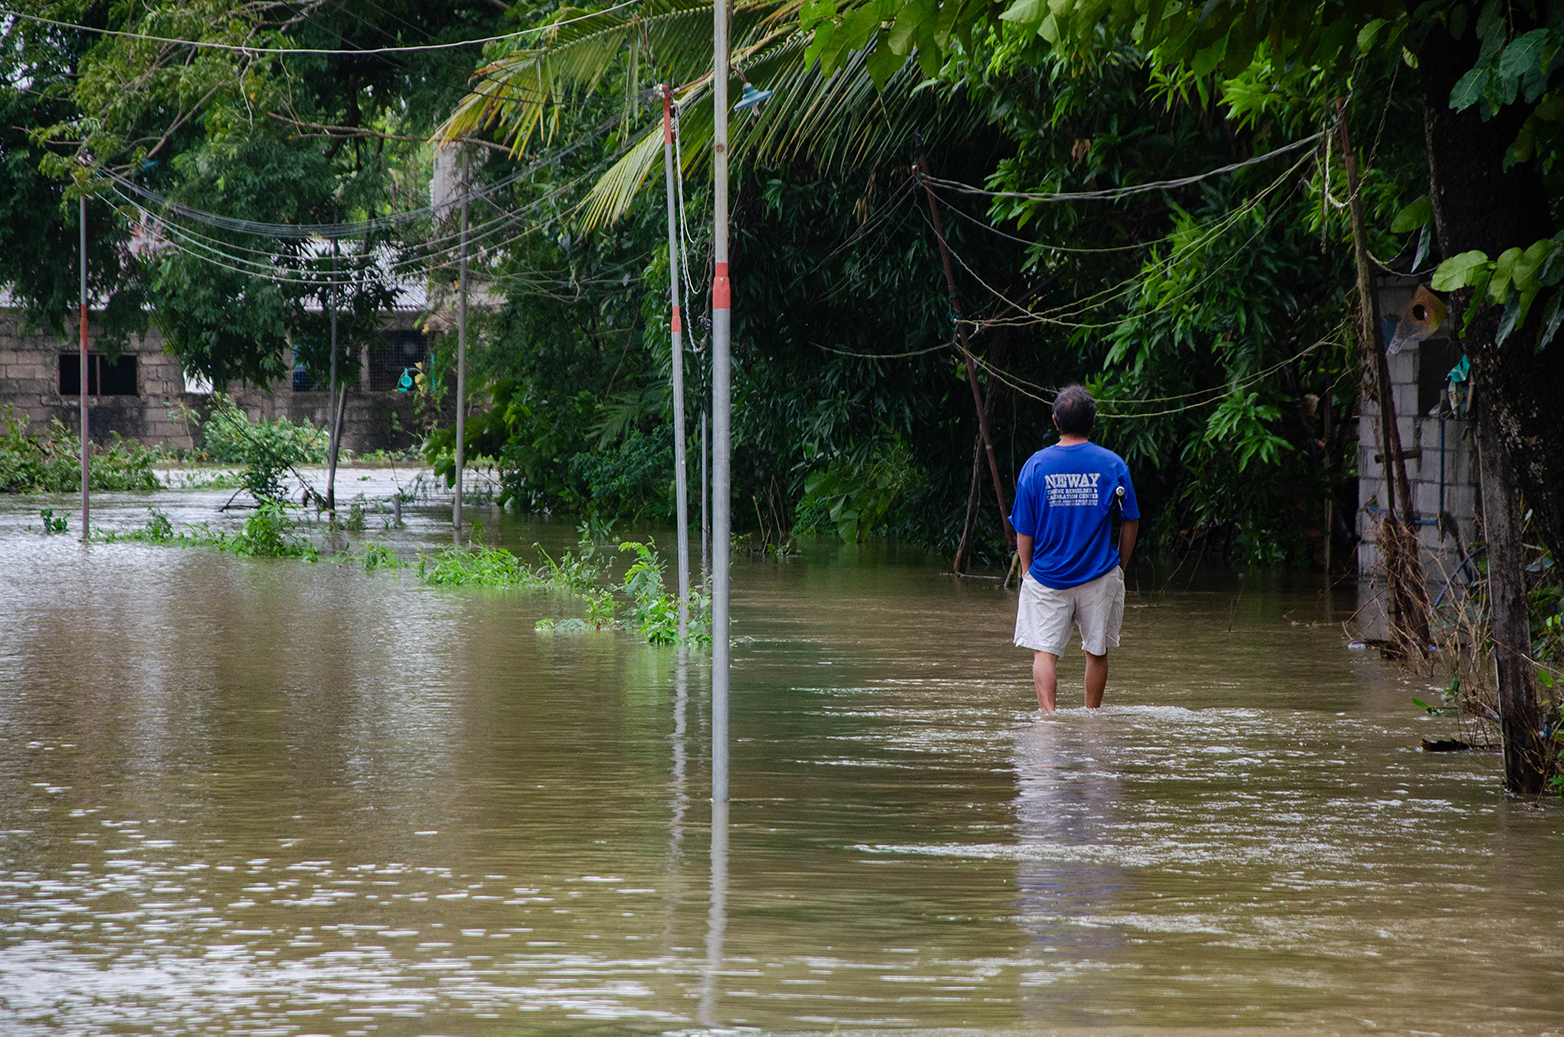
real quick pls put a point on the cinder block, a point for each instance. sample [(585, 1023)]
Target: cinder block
[(1403, 368)]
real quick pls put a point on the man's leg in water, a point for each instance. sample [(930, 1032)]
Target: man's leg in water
[(1045, 674), (1096, 679)]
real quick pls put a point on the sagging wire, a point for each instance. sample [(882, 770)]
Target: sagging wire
[(1107, 295), (418, 260), (242, 48), (1114, 194), (355, 228), (1024, 387), (684, 227)]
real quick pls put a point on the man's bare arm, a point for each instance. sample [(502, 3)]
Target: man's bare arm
[(1127, 532), (1024, 549)]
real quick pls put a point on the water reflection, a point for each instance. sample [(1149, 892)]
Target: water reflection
[(1067, 816), (717, 916)]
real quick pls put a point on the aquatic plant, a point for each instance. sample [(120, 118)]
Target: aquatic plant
[(475, 566), (379, 556), (51, 522)]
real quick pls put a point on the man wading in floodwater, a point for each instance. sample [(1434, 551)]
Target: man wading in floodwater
[(1072, 575)]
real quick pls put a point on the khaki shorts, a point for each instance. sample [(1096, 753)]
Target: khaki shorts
[(1045, 616)]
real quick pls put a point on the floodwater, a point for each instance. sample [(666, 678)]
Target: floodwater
[(269, 797)]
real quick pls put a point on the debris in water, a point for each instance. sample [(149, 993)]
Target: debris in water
[(1445, 745)]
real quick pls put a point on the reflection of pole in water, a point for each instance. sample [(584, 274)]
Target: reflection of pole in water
[(681, 789), (1066, 804), (717, 920)]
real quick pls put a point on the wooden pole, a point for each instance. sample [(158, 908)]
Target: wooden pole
[(966, 352), (1404, 575)]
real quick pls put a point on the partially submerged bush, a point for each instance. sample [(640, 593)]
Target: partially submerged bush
[(268, 449), (51, 462)]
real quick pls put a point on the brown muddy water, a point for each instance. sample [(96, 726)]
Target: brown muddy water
[(268, 797)]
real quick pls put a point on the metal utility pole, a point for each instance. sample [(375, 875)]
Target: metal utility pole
[(333, 408), (681, 489), (705, 501), (461, 366), (86, 444), (721, 403), (966, 352)]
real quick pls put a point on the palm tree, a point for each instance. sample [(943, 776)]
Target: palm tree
[(844, 121)]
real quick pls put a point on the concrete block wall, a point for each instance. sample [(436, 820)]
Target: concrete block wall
[(29, 384), (1456, 485)]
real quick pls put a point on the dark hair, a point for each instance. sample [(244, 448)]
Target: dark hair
[(1075, 410)]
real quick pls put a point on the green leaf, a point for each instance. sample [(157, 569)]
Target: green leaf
[(1530, 263), (1469, 88), (1369, 33), (1024, 11), (883, 62), (1503, 275), (1432, 710), (1523, 54), (905, 28), (1508, 322), (1462, 271), (1413, 216), (1552, 317)]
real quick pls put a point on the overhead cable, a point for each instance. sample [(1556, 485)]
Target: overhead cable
[(243, 48), (1113, 194)]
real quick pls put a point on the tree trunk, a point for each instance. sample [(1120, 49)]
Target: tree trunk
[(1479, 205), (1520, 719)]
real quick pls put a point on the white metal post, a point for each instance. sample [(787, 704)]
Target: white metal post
[(705, 505), (461, 367), (86, 472), (333, 408), (681, 489), (721, 492)]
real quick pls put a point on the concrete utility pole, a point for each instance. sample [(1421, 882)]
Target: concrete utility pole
[(461, 367), (705, 504), (681, 488), (333, 408), (86, 444), (721, 404)]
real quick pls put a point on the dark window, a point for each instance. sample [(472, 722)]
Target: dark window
[(302, 381), (103, 378), (398, 351)]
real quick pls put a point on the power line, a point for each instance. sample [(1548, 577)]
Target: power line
[(241, 48), (1116, 193)]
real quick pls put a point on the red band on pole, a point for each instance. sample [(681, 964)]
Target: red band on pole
[(678, 325), (720, 297)]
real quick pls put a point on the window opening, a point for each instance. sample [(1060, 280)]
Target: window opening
[(103, 378)]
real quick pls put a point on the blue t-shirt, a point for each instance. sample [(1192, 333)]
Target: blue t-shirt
[(1065, 500)]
